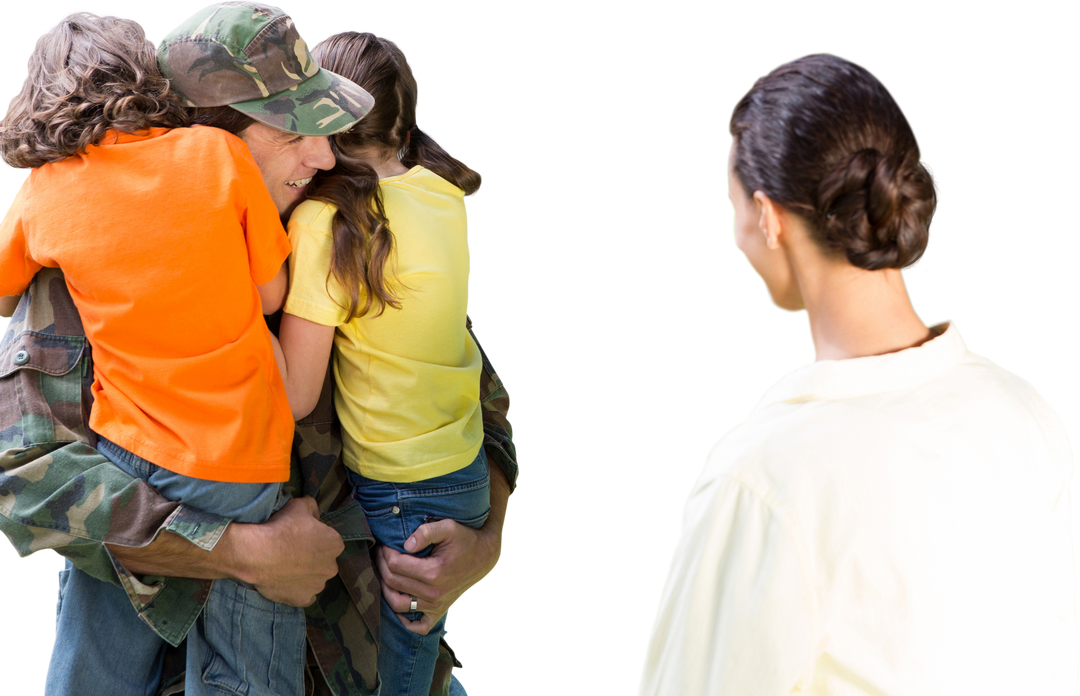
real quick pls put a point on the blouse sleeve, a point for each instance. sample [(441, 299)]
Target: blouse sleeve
[(738, 615)]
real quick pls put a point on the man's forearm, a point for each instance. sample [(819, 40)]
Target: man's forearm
[(173, 555), (288, 559)]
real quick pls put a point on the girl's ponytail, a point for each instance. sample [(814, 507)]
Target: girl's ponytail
[(363, 241), (423, 150)]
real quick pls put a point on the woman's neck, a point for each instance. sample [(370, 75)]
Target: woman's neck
[(855, 313)]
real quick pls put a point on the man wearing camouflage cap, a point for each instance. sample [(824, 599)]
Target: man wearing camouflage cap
[(250, 58), (243, 68)]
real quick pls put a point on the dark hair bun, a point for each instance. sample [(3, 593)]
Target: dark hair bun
[(823, 138), (877, 210)]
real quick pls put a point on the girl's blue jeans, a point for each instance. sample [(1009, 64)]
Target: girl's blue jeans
[(394, 512), (242, 643)]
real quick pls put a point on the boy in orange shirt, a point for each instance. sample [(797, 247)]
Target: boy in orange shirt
[(172, 250)]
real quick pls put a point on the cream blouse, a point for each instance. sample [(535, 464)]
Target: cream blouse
[(896, 524)]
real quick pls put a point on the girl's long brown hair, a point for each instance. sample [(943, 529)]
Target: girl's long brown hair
[(363, 242)]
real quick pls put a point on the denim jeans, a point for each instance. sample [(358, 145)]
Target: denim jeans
[(456, 689), (394, 512), (104, 660), (242, 643)]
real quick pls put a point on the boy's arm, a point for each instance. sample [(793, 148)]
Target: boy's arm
[(8, 305), (267, 243), (273, 293)]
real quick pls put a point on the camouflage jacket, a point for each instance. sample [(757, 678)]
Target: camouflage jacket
[(57, 492)]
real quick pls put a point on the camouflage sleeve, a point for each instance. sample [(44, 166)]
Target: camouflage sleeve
[(56, 491), (495, 402)]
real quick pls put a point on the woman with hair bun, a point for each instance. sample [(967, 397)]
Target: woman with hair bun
[(894, 518)]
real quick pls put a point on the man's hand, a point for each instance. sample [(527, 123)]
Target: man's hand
[(461, 557), (290, 557)]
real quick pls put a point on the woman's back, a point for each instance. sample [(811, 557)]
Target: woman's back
[(893, 519), (883, 525)]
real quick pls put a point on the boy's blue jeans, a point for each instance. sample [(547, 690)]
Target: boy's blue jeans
[(394, 512), (241, 644)]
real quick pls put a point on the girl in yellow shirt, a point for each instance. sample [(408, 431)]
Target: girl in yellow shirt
[(379, 277)]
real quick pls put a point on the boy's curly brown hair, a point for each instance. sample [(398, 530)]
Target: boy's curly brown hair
[(87, 76)]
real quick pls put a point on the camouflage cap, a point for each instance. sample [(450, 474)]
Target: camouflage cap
[(250, 57)]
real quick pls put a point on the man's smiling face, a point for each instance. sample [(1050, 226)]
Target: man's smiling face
[(287, 161)]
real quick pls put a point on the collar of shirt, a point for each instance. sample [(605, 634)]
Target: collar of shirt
[(118, 137), (843, 379)]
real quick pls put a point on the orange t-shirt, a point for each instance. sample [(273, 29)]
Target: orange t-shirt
[(163, 238)]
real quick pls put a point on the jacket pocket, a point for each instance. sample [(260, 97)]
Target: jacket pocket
[(41, 391)]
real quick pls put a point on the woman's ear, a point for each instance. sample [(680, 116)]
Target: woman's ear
[(766, 206)]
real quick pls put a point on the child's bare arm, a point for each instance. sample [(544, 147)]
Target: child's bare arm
[(302, 354), (8, 305), (273, 293)]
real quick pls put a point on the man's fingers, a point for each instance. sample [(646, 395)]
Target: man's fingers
[(402, 603), (299, 553), (428, 534), (392, 584), (298, 506), (421, 627), (418, 540), (308, 503), (400, 569)]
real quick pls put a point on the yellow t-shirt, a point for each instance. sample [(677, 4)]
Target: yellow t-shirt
[(408, 381)]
